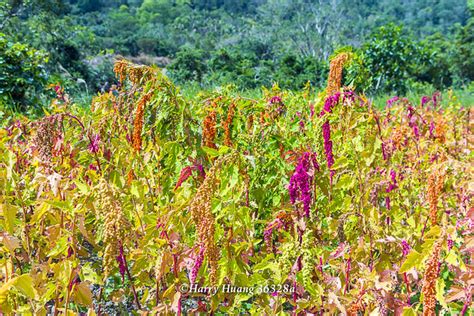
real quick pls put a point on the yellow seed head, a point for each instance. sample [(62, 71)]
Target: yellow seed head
[(201, 212), (115, 225)]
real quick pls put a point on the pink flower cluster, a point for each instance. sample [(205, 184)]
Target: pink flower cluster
[(384, 151), (424, 100), (432, 128), (392, 100), (349, 96), (275, 99), (94, 144), (121, 262), (267, 233), (186, 172), (311, 109), (197, 264), (393, 183), (391, 186), (450, 243), (330, 102), (300, 182), (405, 247), (435, 98), (328, 144), (412, 121)]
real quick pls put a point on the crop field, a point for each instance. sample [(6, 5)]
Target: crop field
[(151, 203)]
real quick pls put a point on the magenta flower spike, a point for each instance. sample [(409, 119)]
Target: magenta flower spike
[(197, 264), (94, 145), (300, 182)]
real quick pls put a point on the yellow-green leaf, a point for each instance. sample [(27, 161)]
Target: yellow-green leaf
[(40, 211), (9, 216), (116, 179), (83, 294), (433, 233), (440, 292), (452, 259), (59, 248), (24, 284), (10, 242), (210, 151), (412, 260), (82, 187), (340, 163), (223, 150), (345, 182), (408, 311), (134, 190)]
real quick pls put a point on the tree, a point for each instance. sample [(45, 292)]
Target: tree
[(22, 73), (188, 65), (89, 5), (463, 59), (389, 57)]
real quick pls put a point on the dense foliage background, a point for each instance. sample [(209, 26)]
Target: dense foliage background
[(401, 46)]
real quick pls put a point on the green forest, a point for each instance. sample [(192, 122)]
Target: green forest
[(399, 47)]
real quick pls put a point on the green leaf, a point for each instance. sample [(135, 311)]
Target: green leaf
[(340, 163), (210, 151), (412, 260), (134, 189), (452, 259), (116, 179), (39, 213), (64, 205), (241, 298), (264, 264), (276, 199), (83, 294), (433, 233), (9, 216), (357, 142), (440, 292), (314, 290), (83, 188), (369, 160), (234, 176), (345, 182), (24, 284), (223, 150), (89, 274), (59, 248), (408, 311)]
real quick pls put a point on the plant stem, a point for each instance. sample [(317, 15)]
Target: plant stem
[(137, 302), (405, 278), (99, 301)]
